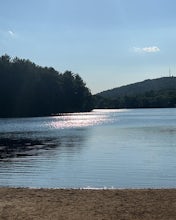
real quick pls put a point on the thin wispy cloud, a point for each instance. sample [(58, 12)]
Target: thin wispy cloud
[(153, 49), (11, 33)]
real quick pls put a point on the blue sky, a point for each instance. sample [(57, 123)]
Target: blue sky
[(110, 43)]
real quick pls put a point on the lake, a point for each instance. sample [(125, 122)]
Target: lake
[(133, 148)]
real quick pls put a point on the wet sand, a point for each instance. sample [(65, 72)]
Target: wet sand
[(63, 204)]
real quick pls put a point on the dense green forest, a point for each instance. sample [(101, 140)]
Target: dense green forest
[(156, 93), (27, 89), (151, 99)]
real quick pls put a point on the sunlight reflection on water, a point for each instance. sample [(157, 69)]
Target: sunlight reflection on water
[(103, 148), (82, 119), (70, 120)]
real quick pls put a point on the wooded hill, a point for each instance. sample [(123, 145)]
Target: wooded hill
[(27, 89), (153, 93)]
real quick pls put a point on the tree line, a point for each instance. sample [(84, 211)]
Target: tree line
[(27, 89), (150, 99)]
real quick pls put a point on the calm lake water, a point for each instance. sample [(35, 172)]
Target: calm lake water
[(104, 148)]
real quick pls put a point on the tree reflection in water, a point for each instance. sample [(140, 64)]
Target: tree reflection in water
[(19, 147), (16, 145)]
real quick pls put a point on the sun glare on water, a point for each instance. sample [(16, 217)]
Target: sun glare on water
[(72, 120), (79, 119)]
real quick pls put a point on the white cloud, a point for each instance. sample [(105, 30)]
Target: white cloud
[(11, 33), (152, 49), (137, 49)]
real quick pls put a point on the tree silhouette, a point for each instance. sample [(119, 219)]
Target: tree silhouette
[(27, 89)]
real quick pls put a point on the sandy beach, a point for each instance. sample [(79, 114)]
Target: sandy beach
[(27, 204)]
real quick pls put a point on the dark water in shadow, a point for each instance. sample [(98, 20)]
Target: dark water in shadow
[(11, 148), (112, 148)]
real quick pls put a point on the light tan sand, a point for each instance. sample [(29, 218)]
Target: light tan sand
[(61, 204)]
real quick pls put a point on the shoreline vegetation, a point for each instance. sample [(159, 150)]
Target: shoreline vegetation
[(29, 90), (155, 93), (76, 204)]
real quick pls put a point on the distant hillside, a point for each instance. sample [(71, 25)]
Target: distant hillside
[(156, 93), (164, 83)]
